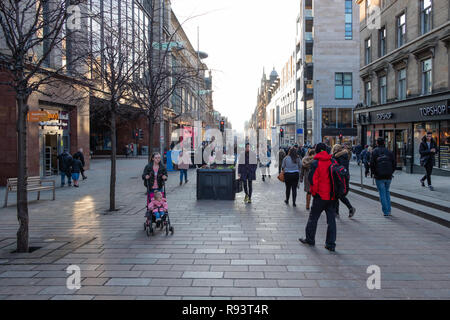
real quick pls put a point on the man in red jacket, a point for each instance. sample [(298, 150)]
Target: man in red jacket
[(319, 179)]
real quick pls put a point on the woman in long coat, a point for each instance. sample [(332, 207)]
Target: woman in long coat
[(247, 171)]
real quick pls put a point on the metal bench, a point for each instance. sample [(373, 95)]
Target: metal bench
[(33, 184)]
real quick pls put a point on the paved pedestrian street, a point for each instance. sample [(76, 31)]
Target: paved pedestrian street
[(220, 249)]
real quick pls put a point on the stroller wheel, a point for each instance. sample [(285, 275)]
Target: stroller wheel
[(147, 230), (171, 230), (167, 230), (145, 226)]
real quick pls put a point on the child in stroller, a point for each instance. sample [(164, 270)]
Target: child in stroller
[(157, 212), (158, 205)]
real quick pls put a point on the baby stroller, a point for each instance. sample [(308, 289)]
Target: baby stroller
[(151, 218)]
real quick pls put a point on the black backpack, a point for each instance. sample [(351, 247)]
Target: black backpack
[(383, 166), (340, 180)]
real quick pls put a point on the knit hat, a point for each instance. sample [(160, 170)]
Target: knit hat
[(321, 147)]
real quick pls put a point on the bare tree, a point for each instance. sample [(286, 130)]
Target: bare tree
[(30, 31)]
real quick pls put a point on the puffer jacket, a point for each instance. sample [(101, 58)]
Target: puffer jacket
[(156, 205), (319, 176), (148, 170)]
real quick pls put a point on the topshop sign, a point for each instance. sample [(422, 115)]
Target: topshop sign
[(437, 110)]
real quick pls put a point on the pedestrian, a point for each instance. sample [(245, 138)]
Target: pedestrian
[(265, 167), (323, 199), (184, 161), (247, 171), (126, 150), (306, 167), (342, 155), (76, 169), (382, 165), (358, 150), (80, 156), (366, 160), (291, 167), (427, 150), (155, 174), (65, 163), (281, 156)]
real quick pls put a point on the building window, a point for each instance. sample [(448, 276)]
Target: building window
[(402, 84), (343, 86), (368, 91), (401, 30), (427, 76), (368, 50), (329, 118), (345, 118), (348, 20), (383, 89), (382, 41), (425, 16)]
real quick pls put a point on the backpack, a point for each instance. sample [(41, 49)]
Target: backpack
[(340, 180), (383, 166)]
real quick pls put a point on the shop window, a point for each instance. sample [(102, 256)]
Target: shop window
[(420, 130), (329, 118), (444, 149), (345, 118)]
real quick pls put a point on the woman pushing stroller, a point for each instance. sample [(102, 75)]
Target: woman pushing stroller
[(155, 174)]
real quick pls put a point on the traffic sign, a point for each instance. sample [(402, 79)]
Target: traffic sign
[(299, 131)]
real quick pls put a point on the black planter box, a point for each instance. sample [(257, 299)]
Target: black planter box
[(216, 184)]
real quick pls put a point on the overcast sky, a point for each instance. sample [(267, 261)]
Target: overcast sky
[(241, 37)]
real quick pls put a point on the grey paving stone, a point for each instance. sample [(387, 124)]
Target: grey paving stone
[(94, 281), (230, 292), (212, 283), (120, 274), (18, 281), (144, 291), (52, 282), (118, 298), (188, 291), (117, 267), (248, 262), (55, 290), (297, 283), (268, 268), (243, 275), (100, 290), (72, 297), (212, 261), (175, 261), (328, 292), (18, 274), (128, 282), (304, 269), (279, 292), (202, 275), (167, 282), (210, 251), (162, 274), (229, 268), (341, 283), (27, 297), (180, 267), (284, 275), (138, 261), (149, 267)]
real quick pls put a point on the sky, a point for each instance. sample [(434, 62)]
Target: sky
[(241, 38)]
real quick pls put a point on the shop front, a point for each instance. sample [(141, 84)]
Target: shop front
[(403, 129)]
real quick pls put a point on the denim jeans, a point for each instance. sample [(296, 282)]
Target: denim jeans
[(385, 197), (63, 179), (183, 172)]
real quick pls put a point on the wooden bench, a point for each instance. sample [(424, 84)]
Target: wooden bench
[(33, 184)]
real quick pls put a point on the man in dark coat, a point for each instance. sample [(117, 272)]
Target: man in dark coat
[(427, 150), (79, 156), (247, 171), (382, 166), (65, 163)]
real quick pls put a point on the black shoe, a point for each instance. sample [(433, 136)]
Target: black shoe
[(305, 242), (423, 183), (286, 201), (352, 212), (330, 248), (84, 177), (294, 205)]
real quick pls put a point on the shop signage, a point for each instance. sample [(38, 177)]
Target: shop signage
[(431, 111), (37, 116), (52, 124), (385, 116)]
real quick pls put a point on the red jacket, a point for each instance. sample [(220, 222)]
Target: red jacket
[(319, 176)]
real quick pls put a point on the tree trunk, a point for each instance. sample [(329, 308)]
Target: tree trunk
[(150, 137), (22, 199), (112, 187)]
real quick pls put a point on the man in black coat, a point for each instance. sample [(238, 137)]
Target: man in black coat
[(427, 150), (79, 156), (382, 164)]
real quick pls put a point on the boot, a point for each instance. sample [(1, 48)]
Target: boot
[(308, 201)]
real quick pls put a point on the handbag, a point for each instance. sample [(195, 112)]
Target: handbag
[(238, 186), (281, 176)]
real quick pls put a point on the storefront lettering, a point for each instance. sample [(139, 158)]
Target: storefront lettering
[(385, 116), (52, 124), (434, 110)]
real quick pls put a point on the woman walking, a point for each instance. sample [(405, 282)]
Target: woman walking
[(291, 167), (247, 171), (306, 167), (342, 155), (184, 160), (155, 174)]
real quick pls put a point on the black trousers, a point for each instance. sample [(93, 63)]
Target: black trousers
[(317, 208), (429, 168), (291, 180), (344, 201), (248, 189)]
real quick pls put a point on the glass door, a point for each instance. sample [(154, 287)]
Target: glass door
[(400, 148)]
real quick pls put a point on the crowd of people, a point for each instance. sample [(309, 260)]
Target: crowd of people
[(71, 166)]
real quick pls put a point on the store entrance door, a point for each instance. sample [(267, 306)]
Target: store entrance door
[(400, 148), (51, 151)]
